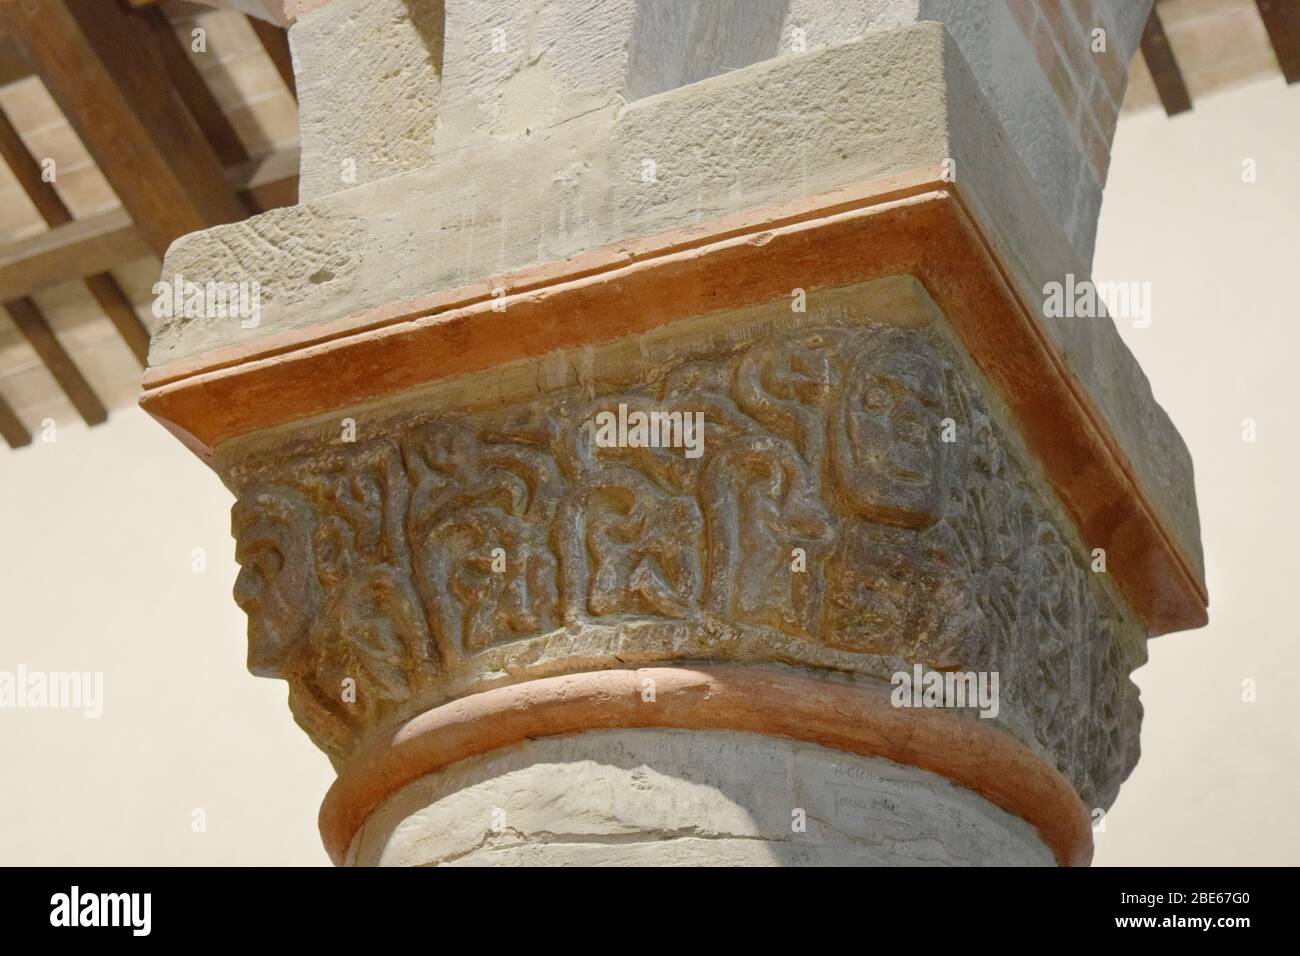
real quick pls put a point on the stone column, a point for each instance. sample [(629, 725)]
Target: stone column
[(638, 462)]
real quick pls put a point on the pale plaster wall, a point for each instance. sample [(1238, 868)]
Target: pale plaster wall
[(97, 532), (1218, 780)]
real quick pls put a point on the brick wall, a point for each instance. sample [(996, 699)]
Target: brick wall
[(1088, 84)]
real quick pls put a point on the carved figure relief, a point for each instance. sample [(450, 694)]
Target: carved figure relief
[(629, 548), (326, 582), (480, 514), (888, 464), (761, 503), (852, 495)]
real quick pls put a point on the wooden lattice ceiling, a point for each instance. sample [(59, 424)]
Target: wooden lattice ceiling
[(1191, 48), (123, 125)]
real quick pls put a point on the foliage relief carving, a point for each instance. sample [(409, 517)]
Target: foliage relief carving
[(827, 507)]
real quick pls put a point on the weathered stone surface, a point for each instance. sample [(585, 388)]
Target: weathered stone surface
[(366, 110), (513, 70), (480, 210), (682, 798), (824, 442), (891, 102)]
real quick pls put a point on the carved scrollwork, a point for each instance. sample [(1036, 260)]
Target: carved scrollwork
[(478, 524), (629, 548), (764, 514), (326, 583), (852, 498)]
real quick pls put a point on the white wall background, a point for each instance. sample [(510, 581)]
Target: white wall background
[(1218, 780), (97, 533)]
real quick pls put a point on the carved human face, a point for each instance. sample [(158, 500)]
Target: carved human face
[(887, 449), (276, 585)]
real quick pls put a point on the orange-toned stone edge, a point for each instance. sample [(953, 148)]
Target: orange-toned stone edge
[(854, 718), (909, 224)]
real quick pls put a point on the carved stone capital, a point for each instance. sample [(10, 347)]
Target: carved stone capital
[(692, 478), (851, 505)]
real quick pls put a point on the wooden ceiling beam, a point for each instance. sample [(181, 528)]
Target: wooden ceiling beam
[(11, 426), (275, 41), (194, 91), (1282, 21), (95, 60), (66, 253), (108, 240), (27, 316), (1164, 67), (268, 182), (46, 198), (272, 11), (28, 173), (121, 312), (13, 64)]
